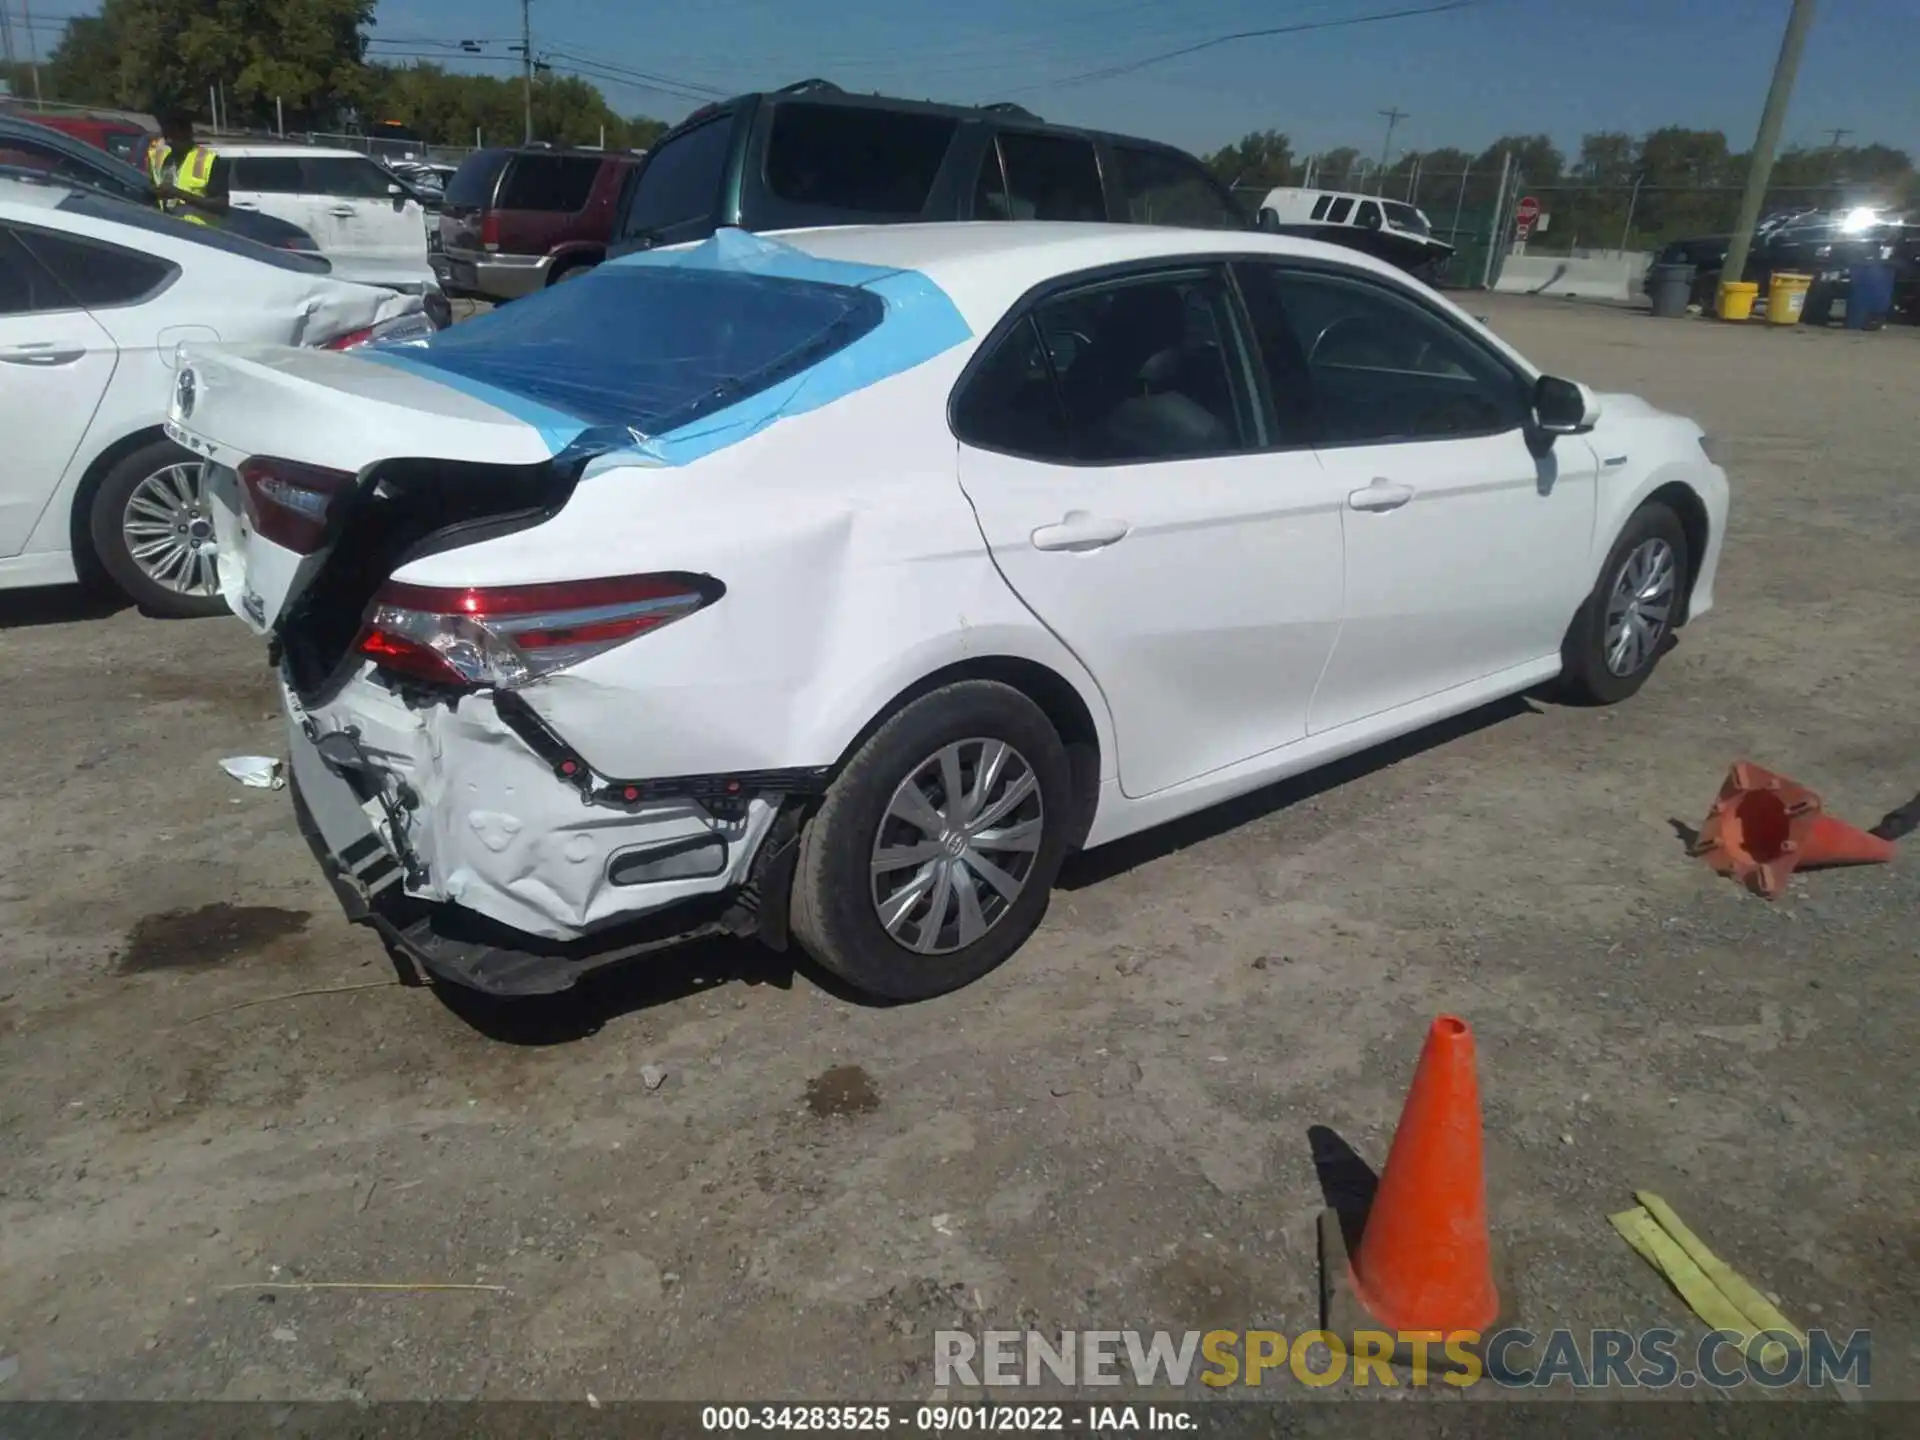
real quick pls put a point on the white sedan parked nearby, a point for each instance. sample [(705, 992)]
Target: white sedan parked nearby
[(872, 570), (95, 297)]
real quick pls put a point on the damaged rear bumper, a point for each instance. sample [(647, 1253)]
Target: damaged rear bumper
[(491, 855)]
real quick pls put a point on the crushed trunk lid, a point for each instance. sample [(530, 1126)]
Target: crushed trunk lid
[(340, 412)]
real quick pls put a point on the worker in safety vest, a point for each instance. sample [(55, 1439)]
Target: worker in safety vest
[(183, 172)]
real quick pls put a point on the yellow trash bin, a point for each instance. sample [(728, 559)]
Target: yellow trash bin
[(1736, 299), (1787, 298)]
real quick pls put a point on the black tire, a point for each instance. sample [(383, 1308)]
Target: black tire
[(106, 517), (1586, 678), (572, 270), (835, 913)]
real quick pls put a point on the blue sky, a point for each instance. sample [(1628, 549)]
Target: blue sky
[(1499, 66)]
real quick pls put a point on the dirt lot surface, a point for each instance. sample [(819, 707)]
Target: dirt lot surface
[(1112, 1131)]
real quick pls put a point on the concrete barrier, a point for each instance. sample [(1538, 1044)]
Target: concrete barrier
[(1588, 278)]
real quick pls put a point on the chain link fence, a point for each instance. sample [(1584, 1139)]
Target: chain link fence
[(1475, 211)]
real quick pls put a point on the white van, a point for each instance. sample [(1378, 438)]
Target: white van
[(370, 227), (1399, 234)]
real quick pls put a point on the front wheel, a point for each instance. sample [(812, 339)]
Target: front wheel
[(152, 530), (1620, 632), (931, 858)]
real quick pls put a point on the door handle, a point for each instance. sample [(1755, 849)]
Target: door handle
[(345, 212), (42, 354), (1077, 530), (1382, 494), (245, 205)]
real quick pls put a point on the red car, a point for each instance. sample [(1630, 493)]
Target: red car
[(516, 221), (122, 139)]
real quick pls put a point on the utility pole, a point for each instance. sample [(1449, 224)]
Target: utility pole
[(526, 66), (1394, 117), (33, 48), (1772, 117), (6, 33), (1834, 137)]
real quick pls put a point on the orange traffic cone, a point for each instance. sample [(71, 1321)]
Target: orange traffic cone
[(1424, 1262), (1763, 827), (1423, 1269)]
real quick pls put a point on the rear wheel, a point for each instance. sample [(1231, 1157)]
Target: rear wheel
[(152, 530), (931, 859), (573, 270), (1623, 628)]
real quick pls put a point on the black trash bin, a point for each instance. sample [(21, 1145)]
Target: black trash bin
[(1671, 287)]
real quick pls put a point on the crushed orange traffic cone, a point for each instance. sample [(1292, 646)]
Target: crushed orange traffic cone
[(1763, 827), (1424, 1264)]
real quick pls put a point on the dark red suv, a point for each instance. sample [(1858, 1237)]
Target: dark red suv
[(513, 221)]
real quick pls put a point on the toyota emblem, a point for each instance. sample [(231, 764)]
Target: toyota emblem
[(183, 393)]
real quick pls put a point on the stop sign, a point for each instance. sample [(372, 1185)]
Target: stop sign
[(1525, 216)]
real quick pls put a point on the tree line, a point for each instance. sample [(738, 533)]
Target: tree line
[(306, 60), (1642, 190)]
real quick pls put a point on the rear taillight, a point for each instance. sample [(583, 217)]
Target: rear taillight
[(508, 636), (348, 340), (290, 503), (490, 231), (414, 326)]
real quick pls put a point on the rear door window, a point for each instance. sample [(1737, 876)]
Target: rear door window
[(25, 288), (558, 184), (1162, 188), (1369, 215), (346, 176), (1143, 369), (680, 181), (97, 274), (1340, 210), (264, 174), (1051, 177), (140, 217), (1320, 207), (843, 157)]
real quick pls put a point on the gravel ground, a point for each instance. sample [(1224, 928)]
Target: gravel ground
[(1111, 1131)]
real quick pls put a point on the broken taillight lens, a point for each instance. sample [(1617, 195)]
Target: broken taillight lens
[(290, 503), (510, 635)]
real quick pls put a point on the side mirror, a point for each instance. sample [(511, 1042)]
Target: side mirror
[(1560, 407), (394, 187)]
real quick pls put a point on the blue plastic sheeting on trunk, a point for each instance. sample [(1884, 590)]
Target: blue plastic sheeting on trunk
[(676, 354)]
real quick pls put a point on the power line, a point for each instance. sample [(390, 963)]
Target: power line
[(1112, 71), (583, 72), (642, 75)]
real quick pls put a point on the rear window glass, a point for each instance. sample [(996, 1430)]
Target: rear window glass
[(843, 157), (558, 183), (1340, 211), (472, 183), (99, 207), (650, 348)]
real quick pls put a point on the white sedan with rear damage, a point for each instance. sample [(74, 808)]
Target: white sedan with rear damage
[(848, 580)]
